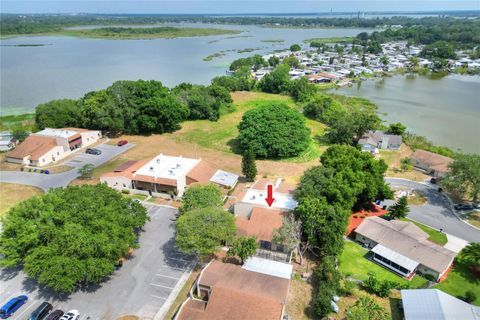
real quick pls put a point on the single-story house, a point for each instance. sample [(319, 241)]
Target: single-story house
[(50, 145), (164, 175), (255, 197), (432, 163), (261, 223), (403, 248), (7, 141), (228, 291), (433, 304), (381, 140)]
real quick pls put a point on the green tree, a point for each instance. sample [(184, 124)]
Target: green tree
[(406, 164), (292, 62), (439, 49), (243, 247), (366, 308), (275, 81), (290, 236), (20, 134), (470, 296), (464, 176), (396, 128), (295, 47), (57, 114), (470, 256), (273, 131), (249, 168), (399, 209), (323, 300), (301, 90), (86, 171), (324, 109), (273, 61), (201, 196), (70, 236), (203, 231)]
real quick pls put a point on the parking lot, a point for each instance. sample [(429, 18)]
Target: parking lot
[(140, 287)]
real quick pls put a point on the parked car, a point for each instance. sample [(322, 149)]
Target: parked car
[(11, 306), (463, 206), (41, 311), (71, 315), (55, 315), (433, 181), (93, 151), (122, 143)]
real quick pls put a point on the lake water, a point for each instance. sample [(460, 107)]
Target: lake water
[(446, 110), (69, 67)]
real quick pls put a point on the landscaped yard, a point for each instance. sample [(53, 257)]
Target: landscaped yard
[(459, 281), (435, 235), (11, 194), (354, 264)]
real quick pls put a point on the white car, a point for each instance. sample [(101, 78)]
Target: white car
[(71, 315)]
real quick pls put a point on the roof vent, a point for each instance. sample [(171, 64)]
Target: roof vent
[(151, 168), (158, 160)]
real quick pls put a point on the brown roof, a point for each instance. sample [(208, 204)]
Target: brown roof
[(261, 224), (34, 146), (202, 172), (408, 241), (435, 161), (77, 129), (125, 170), (74, 137), (238, 294), (166, 182)]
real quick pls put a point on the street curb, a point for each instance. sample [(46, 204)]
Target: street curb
[(452, 209), (175, 292)]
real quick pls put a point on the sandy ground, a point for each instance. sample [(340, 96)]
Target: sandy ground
[(11, 194)]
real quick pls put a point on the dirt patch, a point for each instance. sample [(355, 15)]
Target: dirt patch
[(299, 300), (393, 158), (11, 194), (474, 218)]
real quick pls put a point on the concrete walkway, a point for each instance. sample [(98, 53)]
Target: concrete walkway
[(455, 244)]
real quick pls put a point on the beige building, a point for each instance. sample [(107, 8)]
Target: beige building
[(50, 145), (403, 248)]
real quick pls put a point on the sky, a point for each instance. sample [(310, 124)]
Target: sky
[(229, 6)]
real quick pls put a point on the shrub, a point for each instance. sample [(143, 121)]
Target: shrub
[(470, 296), (349, 287), (274, 131), (124, 191), (201, 196)]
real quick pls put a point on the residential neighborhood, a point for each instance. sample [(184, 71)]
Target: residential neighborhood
[(164, 186)]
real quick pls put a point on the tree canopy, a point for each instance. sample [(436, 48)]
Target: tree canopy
[(202, 231), (201, 196), (72, 236), (464, 176), (273, 131), (243, 247), (276, 81)]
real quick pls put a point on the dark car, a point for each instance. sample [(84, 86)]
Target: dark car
[(122, 143), (433, 181), (463, 206), (11, 306), (55, 315), (93, 151), (41, 311)]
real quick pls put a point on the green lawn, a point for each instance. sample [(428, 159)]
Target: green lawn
[(435, 236), (459, 281), (354, 263), (221, 135)]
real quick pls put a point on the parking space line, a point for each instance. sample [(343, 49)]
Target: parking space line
[(159, 285), (158, 297), (161, 275), (175, 268), (178, 259), (28, 307)]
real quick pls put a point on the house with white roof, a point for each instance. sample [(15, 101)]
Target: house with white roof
[(165, 175)]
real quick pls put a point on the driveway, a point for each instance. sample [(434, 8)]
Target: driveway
[(437, 212), (48, 181), (140, 287)]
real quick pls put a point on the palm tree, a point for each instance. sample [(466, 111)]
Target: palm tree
[(471, 256)]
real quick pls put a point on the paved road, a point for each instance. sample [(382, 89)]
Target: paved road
[(140, 287), (437, 212), (46, 182)]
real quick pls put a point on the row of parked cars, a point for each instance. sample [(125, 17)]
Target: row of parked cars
[(42, 312)]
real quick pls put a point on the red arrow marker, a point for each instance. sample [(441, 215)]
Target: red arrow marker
[(270, 199)]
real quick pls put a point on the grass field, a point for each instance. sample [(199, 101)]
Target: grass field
[(459, 281), (435, 235), (26, 121), (354, 263), (11, 194), (329, 40)]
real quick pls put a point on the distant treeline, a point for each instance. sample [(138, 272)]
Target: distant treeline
[(28, 24)]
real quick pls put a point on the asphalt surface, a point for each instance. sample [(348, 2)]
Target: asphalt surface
[(48, 181), (140, 287), (437, 212)]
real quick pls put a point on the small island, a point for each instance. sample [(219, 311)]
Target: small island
[(124, 33)]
